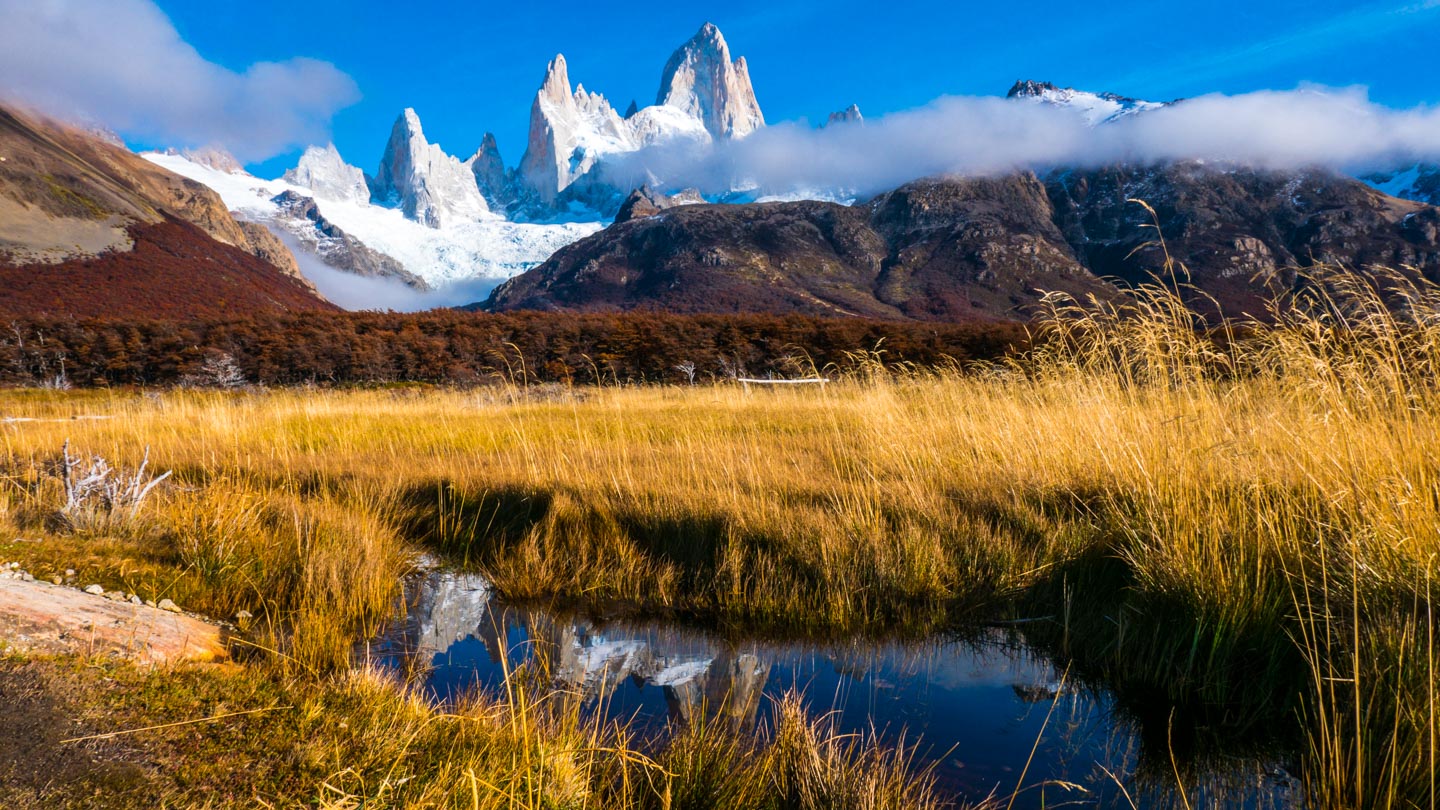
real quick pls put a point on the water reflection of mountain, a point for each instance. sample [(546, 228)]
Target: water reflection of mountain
[(982, 710), (693, 671)]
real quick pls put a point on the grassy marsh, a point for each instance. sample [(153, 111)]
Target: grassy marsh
[(1236, 524)]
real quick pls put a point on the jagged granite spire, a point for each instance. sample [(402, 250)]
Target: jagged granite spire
[(431, 187), (701, 79), (489, 170), (323, 171), (849, 115), (703, 96), (569, 131)]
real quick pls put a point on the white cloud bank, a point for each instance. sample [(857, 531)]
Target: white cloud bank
[(121, 63), (1339, 129)]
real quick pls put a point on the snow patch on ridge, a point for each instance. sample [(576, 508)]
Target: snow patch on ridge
[(461, 260)]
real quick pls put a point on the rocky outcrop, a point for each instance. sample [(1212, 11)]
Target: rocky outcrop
[(849, 115), (429, 186), (301, 217), (52, 619), (323, 171), (810, 257), (645, 202), (268, 247), (702, 81), (958, 248)]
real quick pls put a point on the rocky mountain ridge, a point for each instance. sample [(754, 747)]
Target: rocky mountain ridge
[(337, 248), (1097, 108), (965, 248)]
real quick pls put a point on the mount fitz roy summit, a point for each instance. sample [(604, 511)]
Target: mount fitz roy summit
[(430, 220), (704, 96)]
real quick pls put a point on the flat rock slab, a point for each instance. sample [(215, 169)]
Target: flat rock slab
[(40, 617)]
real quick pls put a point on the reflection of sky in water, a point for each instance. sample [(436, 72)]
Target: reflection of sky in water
[(974, 708)]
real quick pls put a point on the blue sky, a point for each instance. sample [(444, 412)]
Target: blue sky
[(472, 67)]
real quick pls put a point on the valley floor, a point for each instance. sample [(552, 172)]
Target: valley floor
[(1246, 530)]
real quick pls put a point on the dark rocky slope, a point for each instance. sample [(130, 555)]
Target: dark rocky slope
[(1242, 234), (962, 248), (936, 250)]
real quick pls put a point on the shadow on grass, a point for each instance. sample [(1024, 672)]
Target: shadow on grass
[(471, 527)]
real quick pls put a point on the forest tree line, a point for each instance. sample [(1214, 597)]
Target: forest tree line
[(464, 348)]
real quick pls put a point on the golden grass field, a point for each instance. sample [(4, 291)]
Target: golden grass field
[(1250, 523)]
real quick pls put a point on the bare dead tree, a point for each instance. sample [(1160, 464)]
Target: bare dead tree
[(688, 369), (100, 488)]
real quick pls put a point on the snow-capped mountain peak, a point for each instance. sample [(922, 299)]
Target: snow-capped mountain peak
[(430, 186), (849, 115), (1096, 108), (569, 131), (701, 80), (211, 157), (703, 96), (324, 172)]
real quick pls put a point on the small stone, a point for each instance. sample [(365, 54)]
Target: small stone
[(166, 604), (149, 603), (95, 590), (26, 576), (116, 596), (15, 565), (136, 600), (69, 572), (57, 580)]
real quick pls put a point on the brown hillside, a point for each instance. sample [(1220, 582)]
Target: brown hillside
[(174, 271)]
